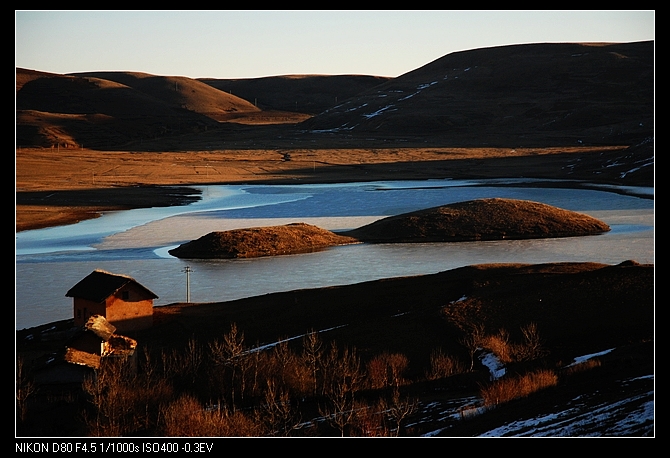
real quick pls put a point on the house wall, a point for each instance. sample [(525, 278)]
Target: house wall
[(129, 309), (87, 342), (84, 309)]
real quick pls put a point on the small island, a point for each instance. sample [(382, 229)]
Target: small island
[(260, 241), (481, 219)]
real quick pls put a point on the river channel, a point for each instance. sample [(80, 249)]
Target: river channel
[(136, 242)]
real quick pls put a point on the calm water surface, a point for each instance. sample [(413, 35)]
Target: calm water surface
[(135, 242)]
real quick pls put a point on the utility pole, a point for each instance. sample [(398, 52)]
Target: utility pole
[(188, 271)]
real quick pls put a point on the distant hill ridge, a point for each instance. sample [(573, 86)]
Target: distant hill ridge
[(520, 95), (182, 91), (587, 93)]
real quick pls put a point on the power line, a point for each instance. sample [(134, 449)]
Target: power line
[(188, 271)]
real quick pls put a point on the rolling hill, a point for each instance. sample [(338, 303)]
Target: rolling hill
[(513, 95), (180, 91), (559, 94), (71, 111)]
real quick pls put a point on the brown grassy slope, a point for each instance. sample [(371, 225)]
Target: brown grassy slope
[(67, 110), (24, 75), (86, 110), (180, 91), (260, 241), (523, 95), (482, 219)]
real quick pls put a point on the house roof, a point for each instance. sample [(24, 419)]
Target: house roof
[(100, 327), (99, 285), (96, 327)]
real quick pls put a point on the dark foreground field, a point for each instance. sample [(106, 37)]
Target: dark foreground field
[(387, 337)]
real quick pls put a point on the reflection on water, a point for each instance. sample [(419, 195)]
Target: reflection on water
[(135, 243)]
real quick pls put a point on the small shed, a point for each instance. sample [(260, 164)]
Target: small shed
[(85, 351), (97, 340), (120, 299)]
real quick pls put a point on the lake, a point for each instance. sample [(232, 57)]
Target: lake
[(136, 242)]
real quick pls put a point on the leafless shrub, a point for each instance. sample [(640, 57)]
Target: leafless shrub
[(500, 345), (187, 417), (123, 401), (284, 363), (377, 373), (386, 370), (532, 347), (508, 352), (368, 421), (109, 395), (507, 389), (193, 358), (442, 365), (581, 367)]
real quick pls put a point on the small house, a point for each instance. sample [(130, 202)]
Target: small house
[(120, 299)]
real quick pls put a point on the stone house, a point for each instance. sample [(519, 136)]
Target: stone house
[(121, 300)]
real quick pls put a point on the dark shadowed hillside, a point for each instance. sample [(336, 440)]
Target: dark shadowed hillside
[(512, 95), (310, 94)]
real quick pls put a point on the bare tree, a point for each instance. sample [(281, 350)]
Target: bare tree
[(24, 388), (398, 409), (193, 358), (285, 359), (533, 345), (473, 340), (312, 352), (387, 369), (229, 353), (279, 414), (344, 377), (107, 388)]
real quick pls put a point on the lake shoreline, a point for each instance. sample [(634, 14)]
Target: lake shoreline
[(136, 242), (82, 206), (149, 179)]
